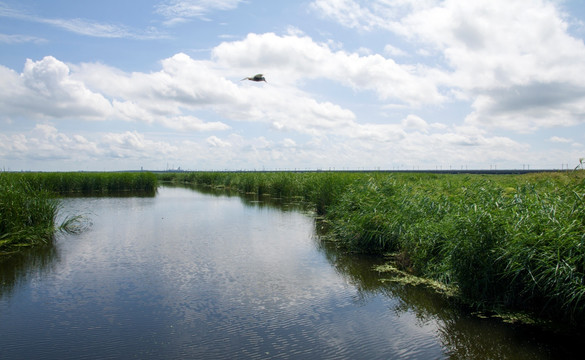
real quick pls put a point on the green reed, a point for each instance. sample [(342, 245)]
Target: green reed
[(319, 188), (510, 241), (29, 203), (90, 183), (27, 216)]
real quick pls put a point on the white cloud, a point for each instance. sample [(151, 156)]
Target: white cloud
[(394, 51), (82, 26), (19, 38), (46, 89), (45, 142), (514, 59), (415, 122), (214, 141), (187, 85), (177, 11), (296, 59), (131, 144), (558, 139)]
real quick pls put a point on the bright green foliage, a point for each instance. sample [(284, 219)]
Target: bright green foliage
[(521, 246), (26, 215), (28, 204), (515, 241), (89, 183)]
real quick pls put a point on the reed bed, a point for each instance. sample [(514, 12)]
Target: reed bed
[(509, 241), (89, 183), (27, 216), (318, 188), (29, 202)]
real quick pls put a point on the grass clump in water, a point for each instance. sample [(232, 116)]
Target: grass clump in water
[(27, 216), (29, 203)]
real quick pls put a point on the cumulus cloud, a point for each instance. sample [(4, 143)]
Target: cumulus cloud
[(512, 59), (131, 144), (298, 58), (214, 141), (187, 85), (45, 142), (46, 89), (415, 122)]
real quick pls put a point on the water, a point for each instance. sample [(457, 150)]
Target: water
[(188, 275)]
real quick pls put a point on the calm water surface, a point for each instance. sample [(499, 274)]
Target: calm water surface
[(188, 275)]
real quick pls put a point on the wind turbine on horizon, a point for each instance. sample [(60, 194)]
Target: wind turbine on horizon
[(257, 78)]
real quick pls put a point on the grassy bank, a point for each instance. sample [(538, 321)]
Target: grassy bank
[(29, 203), (509, 241), (318, 188)]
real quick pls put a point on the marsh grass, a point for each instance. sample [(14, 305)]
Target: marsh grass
[(513, 241), (29, 202), (503, 241), (89, 183), (26, 215), (319, 188)]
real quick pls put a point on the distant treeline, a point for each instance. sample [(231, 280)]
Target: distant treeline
[(509, 241)]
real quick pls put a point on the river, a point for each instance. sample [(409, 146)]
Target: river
[(193, 275)]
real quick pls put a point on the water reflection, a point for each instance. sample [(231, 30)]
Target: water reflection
[(462, 333), (17, 267), (218, 275)]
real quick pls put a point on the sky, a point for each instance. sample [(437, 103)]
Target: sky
[(350, 84)]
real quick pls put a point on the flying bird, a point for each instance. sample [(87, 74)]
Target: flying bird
[(257, 77)]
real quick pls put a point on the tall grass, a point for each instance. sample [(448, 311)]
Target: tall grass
[(515, 242), (318, 188), (29, 204), (27, 216), (89, 183), (512, 241)]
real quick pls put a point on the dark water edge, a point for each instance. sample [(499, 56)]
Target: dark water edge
[(90, 296)]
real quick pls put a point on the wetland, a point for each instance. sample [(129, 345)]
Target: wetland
[(212, 274)]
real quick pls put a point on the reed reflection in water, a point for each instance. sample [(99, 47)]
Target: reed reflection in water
[(193, 275)]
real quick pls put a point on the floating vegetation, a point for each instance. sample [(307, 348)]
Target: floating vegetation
[(406, 278)]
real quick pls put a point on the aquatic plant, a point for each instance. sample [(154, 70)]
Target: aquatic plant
[(27, 215), (29, 203)]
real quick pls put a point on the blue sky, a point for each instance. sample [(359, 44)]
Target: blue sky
[(351, 84)]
